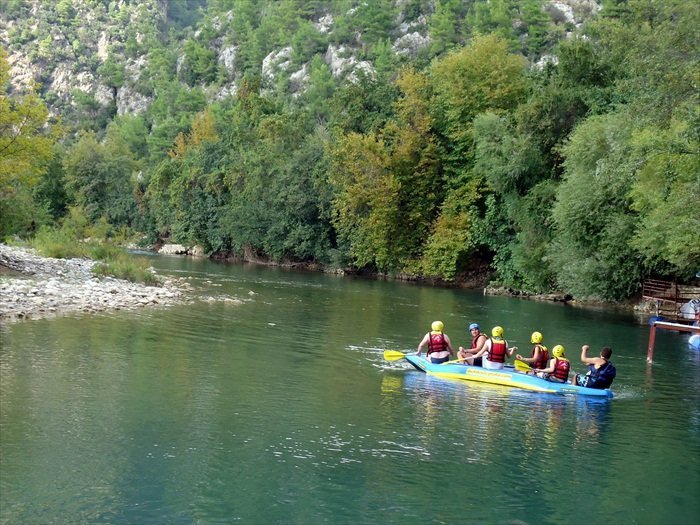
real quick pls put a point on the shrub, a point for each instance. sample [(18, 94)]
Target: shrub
[(128, 268)]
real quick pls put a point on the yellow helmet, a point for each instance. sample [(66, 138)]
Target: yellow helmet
[(497, 331), (558, 351), (437, 326), (536, 338)]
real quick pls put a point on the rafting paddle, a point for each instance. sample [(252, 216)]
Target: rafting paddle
[(393, 355), (522, 366)]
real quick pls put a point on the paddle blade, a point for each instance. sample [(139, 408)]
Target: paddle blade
[(393, 355), (522, 365)]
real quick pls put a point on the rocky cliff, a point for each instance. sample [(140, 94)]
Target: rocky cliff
[(104, 55)]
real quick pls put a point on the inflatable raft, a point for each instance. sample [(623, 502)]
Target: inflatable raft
[(507, 377)]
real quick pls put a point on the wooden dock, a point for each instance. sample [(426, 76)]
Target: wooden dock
[(678, 327), (669, 298)]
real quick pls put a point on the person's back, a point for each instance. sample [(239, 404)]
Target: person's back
[(558, 368), (601, 371), (496, 350), (602, 375), (543, 354), (439, 344), (539, 355)]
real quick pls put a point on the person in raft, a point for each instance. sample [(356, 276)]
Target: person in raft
[(439, 344), (539, 357), (478, 341), (601, 371), (558, 369), (494, 351)]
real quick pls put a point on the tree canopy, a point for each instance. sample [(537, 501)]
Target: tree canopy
[(564, 163)]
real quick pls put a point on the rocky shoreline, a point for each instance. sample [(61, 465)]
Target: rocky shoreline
[(33, 287)]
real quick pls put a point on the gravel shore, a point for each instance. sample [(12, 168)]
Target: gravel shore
[(33, 287)]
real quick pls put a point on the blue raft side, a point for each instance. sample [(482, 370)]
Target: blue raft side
[(516, 379)]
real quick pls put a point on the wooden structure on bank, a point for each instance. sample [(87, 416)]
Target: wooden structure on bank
[(666, 326), (669, 298)]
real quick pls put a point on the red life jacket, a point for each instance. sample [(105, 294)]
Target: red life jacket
[(436, 343), (497, 353), (544, 357), (561, 369), (475, 339)]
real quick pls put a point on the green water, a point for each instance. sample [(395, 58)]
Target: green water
[(279, 408)]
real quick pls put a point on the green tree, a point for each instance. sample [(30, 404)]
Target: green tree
[(444, 26), (363, 106), (112, 73), (537, 28), (307, 42), (374, 20), (27, 136), (665, 194), (365, 209), (273, 179), (493, 17), (50, 192), (591, 252), (99, 178), (319, 93), (482, 77), (386, 184), (455, 233), (519, 230), (200, 64), (625, 208)]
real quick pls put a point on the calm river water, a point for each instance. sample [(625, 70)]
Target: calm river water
[(281, 409)]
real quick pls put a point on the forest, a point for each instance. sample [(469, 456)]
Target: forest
[(557, 157)]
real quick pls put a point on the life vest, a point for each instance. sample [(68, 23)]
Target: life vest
[(475, 339), (561, 369), (601, 377), (497, 353), (544, 357), (436, 343)]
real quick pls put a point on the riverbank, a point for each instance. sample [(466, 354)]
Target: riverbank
[(33, 287)]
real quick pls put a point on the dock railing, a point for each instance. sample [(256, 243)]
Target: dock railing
[(677, 327), (670, 297)]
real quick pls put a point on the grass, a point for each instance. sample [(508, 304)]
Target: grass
[(58, 244), (64, 242), (128, 268)]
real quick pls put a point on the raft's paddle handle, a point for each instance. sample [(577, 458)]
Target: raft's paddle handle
[(393, 355), (522, 366)]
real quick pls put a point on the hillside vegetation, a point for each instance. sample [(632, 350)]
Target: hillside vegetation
[(555, 142)]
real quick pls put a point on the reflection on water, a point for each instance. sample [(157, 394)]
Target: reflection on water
[(279, 408)]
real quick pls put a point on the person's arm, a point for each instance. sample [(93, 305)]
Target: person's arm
[(589, 360), (509, 351), (480, 342), (484, 348), (469, 352), (464, 352), (550, 368), (423, 342), (532, 359), (449, 345)]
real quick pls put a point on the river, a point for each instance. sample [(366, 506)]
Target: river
[(266, 400)]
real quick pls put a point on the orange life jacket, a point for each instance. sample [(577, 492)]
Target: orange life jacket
[(561, 369), (497, 353), (436, 343), (544, 357)]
